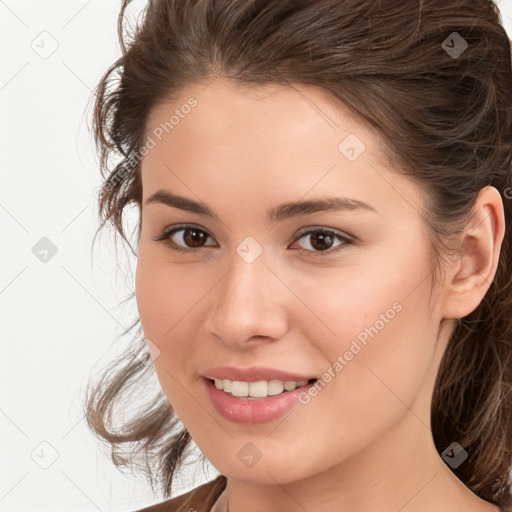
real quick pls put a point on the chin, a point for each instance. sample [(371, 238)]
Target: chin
[(262, 472)]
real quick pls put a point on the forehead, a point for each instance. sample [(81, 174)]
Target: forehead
[(225, 103), (273, 139)]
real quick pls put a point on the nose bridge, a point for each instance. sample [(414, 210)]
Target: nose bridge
[(248, 301)]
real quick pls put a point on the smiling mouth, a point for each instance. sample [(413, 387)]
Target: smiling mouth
[(259, 389)]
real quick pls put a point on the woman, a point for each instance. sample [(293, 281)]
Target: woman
[(323, 252)]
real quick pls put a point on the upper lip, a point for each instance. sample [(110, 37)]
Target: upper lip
[(253, 374)]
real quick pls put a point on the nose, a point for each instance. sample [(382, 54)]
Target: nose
[(249, 304)]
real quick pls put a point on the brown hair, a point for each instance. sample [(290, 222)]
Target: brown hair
[(445, 119)]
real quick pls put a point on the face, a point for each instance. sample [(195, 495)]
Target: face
[(340, 295)]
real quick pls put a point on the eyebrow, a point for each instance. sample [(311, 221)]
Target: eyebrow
[(275, 214)]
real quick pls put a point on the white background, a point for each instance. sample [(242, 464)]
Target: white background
[(60, 318)]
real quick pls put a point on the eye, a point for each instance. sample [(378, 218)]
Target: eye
[(194, 240), (321, 240), (192, 237)]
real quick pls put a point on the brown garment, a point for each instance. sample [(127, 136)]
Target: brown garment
[(200, 499)]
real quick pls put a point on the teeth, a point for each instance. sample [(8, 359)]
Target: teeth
[(239, 388), (259, 389), (275, 387)]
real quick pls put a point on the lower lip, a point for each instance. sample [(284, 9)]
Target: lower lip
[(260, 410)]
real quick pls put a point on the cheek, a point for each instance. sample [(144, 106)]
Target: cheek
[(371, 301), (163, 292), (162, 306), (149, 296), (388, 344), (170, 299), (378, 320)]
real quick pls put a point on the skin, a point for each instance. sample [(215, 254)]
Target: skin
[(364, 442)]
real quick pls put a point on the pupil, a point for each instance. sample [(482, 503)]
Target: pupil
[(193, 236), (322, 237)]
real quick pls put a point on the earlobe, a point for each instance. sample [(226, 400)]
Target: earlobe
[(474, 271)]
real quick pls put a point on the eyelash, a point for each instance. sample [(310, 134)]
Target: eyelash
[(347, 242)]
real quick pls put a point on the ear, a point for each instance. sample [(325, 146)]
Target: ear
[(469, 277)]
